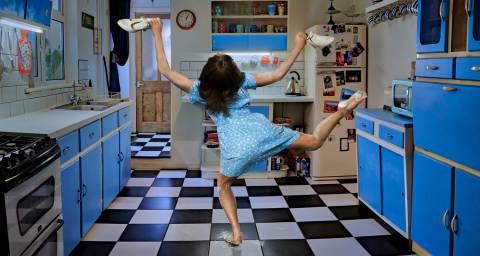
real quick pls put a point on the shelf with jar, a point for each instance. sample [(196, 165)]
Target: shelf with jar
[(256, 25)]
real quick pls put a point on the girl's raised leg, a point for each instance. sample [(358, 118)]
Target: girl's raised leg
[(229, 204), (311, 142)]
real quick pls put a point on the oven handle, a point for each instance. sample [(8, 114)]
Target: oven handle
[(36, 245)]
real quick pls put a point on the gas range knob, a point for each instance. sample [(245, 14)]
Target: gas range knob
[(21, 155), (13, 159), (5, 162)]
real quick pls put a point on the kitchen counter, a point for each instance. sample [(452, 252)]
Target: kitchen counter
[(272, 98), (55, 122)]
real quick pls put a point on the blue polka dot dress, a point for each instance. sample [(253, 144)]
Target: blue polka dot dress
[(245, 138)]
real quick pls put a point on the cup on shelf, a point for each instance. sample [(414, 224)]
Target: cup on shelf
[(232, 28), (218, 10), (272, 9), (253, 28), (240, 28), (222, 28), (270, 28), (215, 27), (247, 29), (281, 9)]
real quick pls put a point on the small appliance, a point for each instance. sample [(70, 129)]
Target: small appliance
[(292, 86), (402, 97)]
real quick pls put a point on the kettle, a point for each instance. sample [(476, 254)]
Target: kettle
[(292, 86)]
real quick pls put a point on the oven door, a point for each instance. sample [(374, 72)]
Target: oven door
[(31, 206), (49, 242)]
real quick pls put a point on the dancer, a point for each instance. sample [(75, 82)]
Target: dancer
[(245, 138)]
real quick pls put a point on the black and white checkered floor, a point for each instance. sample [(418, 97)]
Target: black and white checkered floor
[(178, 213), (151, 145)]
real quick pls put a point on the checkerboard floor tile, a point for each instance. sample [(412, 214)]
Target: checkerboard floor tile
[(175, 212), (151, 145)]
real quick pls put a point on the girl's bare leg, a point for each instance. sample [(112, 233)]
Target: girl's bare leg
[(311, 142), (229, 204)]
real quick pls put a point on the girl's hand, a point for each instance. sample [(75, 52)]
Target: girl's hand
[(301, 39), (157, 26)]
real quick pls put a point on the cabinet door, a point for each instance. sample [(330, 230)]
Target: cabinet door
[(393, 188), (474, 26), (369, 187), (431, 204), (268, 42), (432, 27), (39, 11), (444, 122), (264, 110), (91, 166), (467, 207), (229, 42), (111, 169), (13, 8), (125, 157), (71, 206)]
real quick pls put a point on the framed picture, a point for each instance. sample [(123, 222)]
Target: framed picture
[(88, 21), (354, 76), (97, 41), (330, 106), (344, 145)]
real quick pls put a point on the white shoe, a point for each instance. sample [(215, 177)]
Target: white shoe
[(134, 25), (353, 102), (319, 41)]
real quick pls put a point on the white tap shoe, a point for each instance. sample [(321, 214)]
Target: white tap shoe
[(134, 25), (319, 41)]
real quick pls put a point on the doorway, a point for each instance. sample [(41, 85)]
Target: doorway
[(153, 94)]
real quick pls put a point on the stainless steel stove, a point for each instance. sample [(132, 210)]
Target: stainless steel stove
[(30, 195)]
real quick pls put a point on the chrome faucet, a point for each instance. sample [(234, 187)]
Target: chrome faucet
[(74, 98)]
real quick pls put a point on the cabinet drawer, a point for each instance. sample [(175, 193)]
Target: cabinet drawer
[(90, 134), (468, 68), (123, 116), (437, 68), (109, 123), (391, 135), (268, 42), (68, 146), (364, 124), (445, 121), (229, 42)]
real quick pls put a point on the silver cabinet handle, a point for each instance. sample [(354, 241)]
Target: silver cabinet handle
[(84, 190), (79, 195), (453, 226), (467, 7), (441, 8), (444, 218), (122, 157), (125, 115), (449, 89), (431, 68), (66, 149), (389, 136), (363, 125), (475, 68), (91, 135)]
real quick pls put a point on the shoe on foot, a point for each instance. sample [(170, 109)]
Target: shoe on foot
[(353, 102), (134, 25), (318, 41), (229, 240)]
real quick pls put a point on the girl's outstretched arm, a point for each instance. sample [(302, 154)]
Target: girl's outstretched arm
[(263, 79), (176, 78)]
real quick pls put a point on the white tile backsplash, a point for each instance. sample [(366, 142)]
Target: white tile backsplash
[(4, 110), (9, 94), (17, 108), (192, 70)]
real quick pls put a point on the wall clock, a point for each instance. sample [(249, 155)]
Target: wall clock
[(186, 19)]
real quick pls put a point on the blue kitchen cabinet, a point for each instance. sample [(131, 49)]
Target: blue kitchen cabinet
[(369, 180), (432, 204), (250, 42), (466, 224), (432, 29), (393, 187), (111, 169), (474, 26), (91, 176), (71, 205), (39, 11), (125, 156), (15, 8), (263, 110), (445, 122)]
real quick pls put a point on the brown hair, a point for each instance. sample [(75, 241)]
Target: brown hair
[(220, 81)]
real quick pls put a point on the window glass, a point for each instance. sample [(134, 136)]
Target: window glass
[(54, 52), (57, 5), (149, 61)]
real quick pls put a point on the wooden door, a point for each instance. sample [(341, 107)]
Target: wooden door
[(153, 92)]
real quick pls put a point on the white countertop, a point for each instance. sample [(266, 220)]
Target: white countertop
[(271, 98), (55, 122)]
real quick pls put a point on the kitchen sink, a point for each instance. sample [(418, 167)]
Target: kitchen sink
[(84, 107)]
